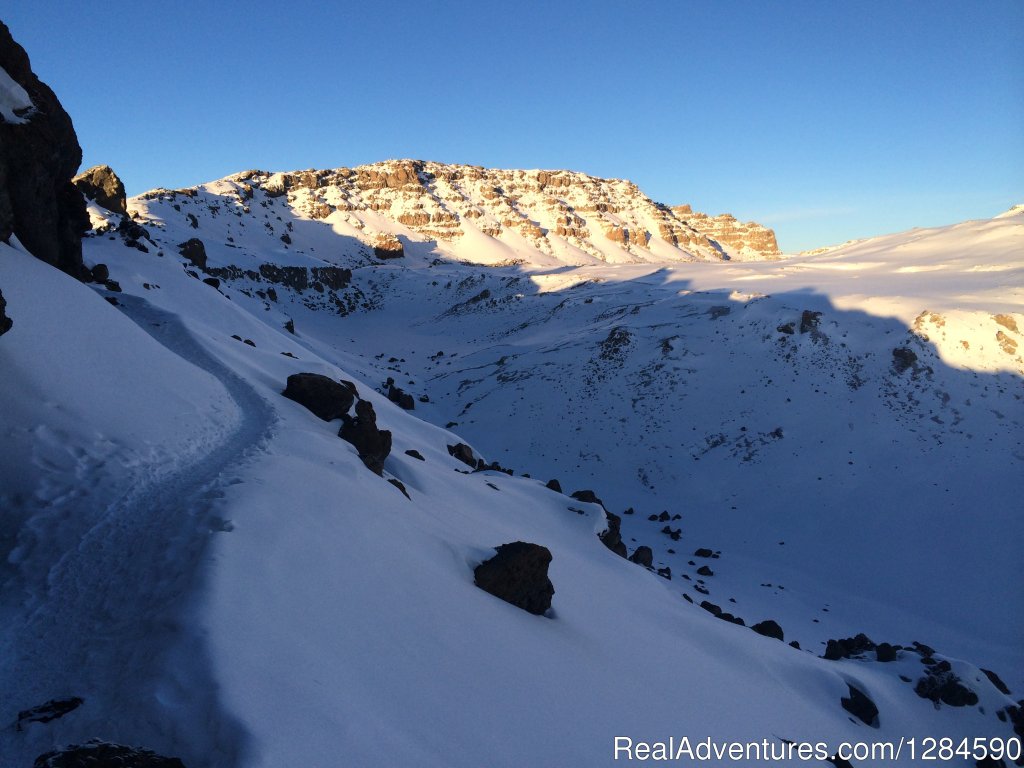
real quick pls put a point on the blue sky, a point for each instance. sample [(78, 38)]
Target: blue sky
[(825, 120)]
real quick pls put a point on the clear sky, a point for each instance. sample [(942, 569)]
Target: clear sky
[(825, 120)]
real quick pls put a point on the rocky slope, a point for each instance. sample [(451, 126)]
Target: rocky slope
[(561, 216)]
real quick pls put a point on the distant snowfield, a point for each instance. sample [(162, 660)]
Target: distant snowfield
[(248, 594)]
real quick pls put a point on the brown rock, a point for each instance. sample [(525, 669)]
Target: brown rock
[(101, 185)]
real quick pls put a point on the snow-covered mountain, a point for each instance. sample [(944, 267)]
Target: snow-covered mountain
[(498, 216), (810, 448)]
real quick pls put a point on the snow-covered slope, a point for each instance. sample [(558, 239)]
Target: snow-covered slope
[(219, 577)]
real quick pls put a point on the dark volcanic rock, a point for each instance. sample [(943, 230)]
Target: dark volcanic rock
[(5, 321), (101, 185), (942, 684), (463, 453), (612, 538), (643, 556), (518, 574), (400, 397), (194, 250), (38, 157), (335, 278), (415, 454), (861, 707), (885, 652), (373, 444), (711, 608), (100, 754), (51, 710), (769, 628), (587, 497), (850, 646), (703, 552), (324, 396), (296, 278), (554, 485)]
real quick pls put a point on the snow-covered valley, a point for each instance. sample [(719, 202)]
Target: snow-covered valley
[(219, 577)]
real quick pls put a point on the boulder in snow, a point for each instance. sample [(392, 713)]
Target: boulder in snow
[(322, 395), (518, 574)]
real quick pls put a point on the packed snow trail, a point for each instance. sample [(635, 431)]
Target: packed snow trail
[(112, 621)]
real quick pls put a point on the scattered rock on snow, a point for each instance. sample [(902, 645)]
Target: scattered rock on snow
[(518, 574), (415, 454), (903, 358), (554, 485)]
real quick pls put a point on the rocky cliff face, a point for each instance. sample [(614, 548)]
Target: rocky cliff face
[(568, 217), (748, 239), (39, 153)]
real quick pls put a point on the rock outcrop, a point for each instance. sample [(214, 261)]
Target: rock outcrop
[(565, 214), (101, 185), (39, 153), (518, 574), (743, 238), (372, 443)]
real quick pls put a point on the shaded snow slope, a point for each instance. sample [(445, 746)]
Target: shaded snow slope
[(281, 605)]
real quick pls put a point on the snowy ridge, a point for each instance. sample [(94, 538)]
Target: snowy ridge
[(820, 425)]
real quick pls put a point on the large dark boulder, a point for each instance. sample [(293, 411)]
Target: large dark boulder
[(860, 706), (463, 453), (769, 628), (643, 555), (372, 443), (101, 754), (322, 395), (5, 321), (39, 153), (101, 185), (518, 574)]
